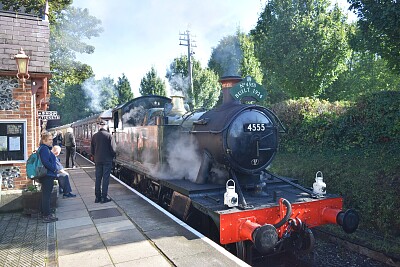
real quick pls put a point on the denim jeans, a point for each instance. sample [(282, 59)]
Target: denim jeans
[(103, 171), (63, 180), (47, 187)]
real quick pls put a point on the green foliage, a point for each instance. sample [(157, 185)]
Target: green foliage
[(226, 57), (302, 47), (317, 124), (206, 88), (250, 65), (205, 82), (69, 27), (367, 73), (355, 145), (36, 6), (75, 73), (108, 95), (367, 178), (124, 90), (31, 188), (67, 31), (62, 79), (379, 23), (307, 121), (152, 84), (74, 105)]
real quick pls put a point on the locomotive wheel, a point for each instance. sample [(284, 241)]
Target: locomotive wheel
[(244, 251)]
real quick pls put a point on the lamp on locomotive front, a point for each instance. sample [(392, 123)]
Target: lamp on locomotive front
[(22, 63)]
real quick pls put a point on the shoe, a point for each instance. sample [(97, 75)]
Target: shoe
[(49, 219), (97, 200), (74, 167), (69, 195), (105, 200)]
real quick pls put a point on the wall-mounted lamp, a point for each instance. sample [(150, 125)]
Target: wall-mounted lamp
[(22, 63)]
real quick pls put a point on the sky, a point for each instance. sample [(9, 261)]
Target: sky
[(140, 34)]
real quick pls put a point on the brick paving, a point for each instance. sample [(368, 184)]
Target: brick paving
[(26, 241)]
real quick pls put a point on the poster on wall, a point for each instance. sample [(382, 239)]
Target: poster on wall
[(15, 143), (12, 140), (3, 143)]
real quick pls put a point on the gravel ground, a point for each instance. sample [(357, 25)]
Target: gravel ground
[(324, 254)]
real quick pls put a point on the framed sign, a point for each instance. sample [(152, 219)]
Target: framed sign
[(12, 140)]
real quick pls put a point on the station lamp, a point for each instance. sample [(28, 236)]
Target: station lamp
[(22, 63)]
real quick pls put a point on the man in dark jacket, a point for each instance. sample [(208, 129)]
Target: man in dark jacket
[(103, 151), (69, 142)]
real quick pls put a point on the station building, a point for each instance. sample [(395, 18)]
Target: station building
[(22, 94)]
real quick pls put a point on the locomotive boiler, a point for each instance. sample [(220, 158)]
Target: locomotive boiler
[(209, 168)]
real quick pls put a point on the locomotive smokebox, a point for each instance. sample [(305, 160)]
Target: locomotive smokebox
[(227, 82), (243, 137)]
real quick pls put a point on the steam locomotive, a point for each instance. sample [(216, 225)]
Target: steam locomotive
[(209, 168)]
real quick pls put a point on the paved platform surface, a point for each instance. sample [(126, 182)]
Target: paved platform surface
[(26, 241), (128, 231)]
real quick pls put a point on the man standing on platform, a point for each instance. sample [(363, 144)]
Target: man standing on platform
[(103, 151), (69, 142)]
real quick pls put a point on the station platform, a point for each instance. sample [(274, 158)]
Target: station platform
[(128, 231)]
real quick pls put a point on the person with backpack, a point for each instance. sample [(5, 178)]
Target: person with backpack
[(48, 159)]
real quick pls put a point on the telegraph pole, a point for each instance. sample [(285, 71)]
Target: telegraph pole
[(187, 41)]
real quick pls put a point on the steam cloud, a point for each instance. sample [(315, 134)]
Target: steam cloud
[(228, 55), (183, 160), (92, 90), (179, 86), (134, 117)]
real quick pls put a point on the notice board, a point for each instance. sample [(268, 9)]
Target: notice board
[(12, 140)]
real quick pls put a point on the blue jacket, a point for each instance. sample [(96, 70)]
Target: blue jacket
[(48, 159)]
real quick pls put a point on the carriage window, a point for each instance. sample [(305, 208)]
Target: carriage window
[(94, 128)]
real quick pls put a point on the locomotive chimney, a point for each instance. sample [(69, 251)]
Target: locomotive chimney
[(178, 107), (227, 83)]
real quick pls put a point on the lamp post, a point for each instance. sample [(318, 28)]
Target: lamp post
[(22, 63)]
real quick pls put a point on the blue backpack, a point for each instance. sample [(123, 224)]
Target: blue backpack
[(34, 166)]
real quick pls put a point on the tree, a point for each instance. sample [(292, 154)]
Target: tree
[(206, 87), (68, 27), (249, 64), (235, 55), (367, 73), (36, 7), (151, 84), (66, 34), (226, 57), (123, 88), (302, 46), (101, 94), (75, 104), (379, 23)]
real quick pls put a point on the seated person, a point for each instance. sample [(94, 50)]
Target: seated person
[(62, 175)]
